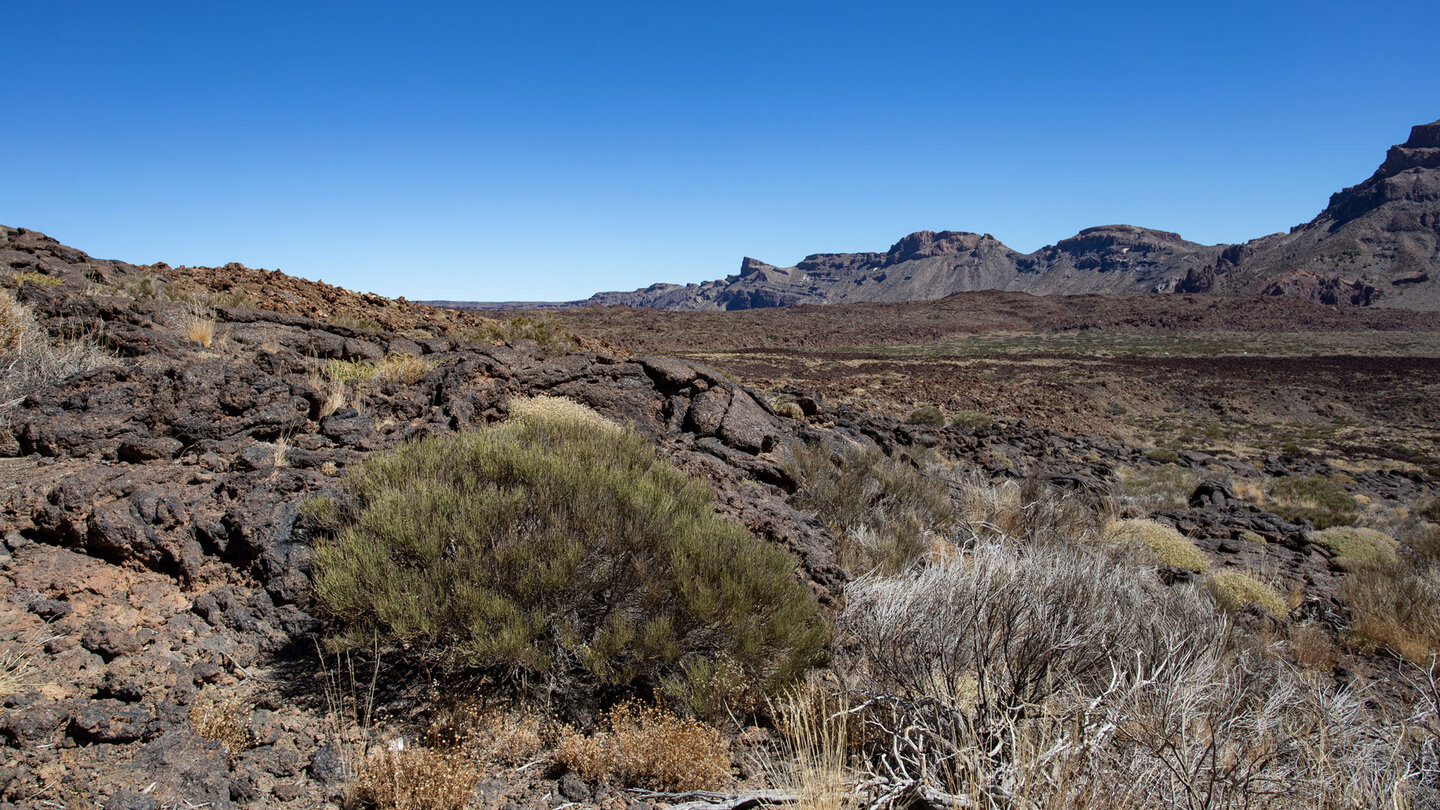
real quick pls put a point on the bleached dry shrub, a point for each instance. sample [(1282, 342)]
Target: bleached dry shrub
[(1056, 675), (1021, 622), (31, 358)]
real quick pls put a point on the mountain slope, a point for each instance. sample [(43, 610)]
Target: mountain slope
[(1376, 243)]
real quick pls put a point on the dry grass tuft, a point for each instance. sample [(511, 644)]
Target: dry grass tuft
[(225, 720), (884, 512), (1312, 648), (538, 409), (1029, 511), (1168, 546), (551, 336), (413, 779), (1233, 591), (1320, 500), (16, 670), (201, 327), (643, 746), (360, 323), (1164, 486), (1395, 608), (346, 370)]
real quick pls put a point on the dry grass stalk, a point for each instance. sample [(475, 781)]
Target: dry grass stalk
[(815, 725)]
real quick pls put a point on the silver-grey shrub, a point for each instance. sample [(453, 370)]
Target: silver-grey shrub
[(1047, 675)]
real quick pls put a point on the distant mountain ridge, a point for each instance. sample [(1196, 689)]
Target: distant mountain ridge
[(1375, 244)]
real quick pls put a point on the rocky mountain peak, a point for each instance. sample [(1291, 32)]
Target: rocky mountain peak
[(1420, 151), (1128, 236), (924, 244), (1424, 136), (749, 266)]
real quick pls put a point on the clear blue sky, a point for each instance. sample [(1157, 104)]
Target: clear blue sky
[(546, 151)]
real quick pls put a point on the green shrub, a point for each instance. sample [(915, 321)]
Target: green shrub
[(1168, 546), (971, 419), (1318, 499), (1162, 455), (926, 415), (1356, 548), (1163, 486), (557, 551), (1233, 590), (881, 511)]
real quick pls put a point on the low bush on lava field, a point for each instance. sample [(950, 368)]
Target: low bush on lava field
[(1315, 498), (1166, 545), (551, 336), (882, 511), (1233, 591), (563, 552)]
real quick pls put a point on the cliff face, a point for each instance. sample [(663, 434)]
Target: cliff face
[(1375, 244)]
